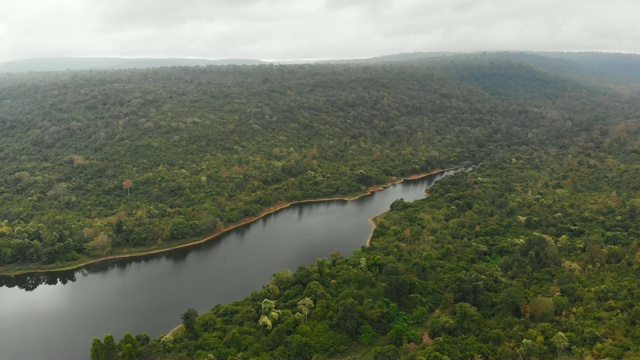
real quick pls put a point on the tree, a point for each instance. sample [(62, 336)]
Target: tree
[(129, 347), (348, 319), (528, 349), (305, 305), (97, 350), (335, 257), (110, 348), (560, 341), (129, 353), (269, 313), (265, 322), (179, 228), (127, 184), (511, 300), (386, 353), (466, 318), (396, 335), (540, 252), (189, 322), (366, 335), (282, 278), (100, 246), (143, 339), (300, 347), (542, 308)]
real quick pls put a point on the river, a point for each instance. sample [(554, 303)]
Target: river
[(57, 315)]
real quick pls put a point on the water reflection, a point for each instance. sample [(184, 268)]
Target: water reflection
[(31, 281), (60, 312)]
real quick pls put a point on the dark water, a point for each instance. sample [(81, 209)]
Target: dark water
[(57, 315)]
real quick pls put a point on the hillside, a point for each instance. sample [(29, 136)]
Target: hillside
[(512, 259), (617, 70), (515, 259), (529, 256), (99, 163)]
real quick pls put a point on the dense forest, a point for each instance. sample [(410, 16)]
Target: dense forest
[(532, 254), (97, 163)]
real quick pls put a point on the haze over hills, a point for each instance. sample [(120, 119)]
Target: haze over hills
[(620, 68), (110, 63), (106, 115), (599, 66)]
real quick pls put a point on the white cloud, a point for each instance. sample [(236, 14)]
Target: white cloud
[(285, 29)]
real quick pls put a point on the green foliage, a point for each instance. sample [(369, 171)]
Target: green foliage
[(388, 352), (97, 350), (367, 335), (498, 275), (466, 318), (560, 342), (396, 336), (269, 314), (542, 309), (100, 162), (532, 253), (110, 347), (189, 322), (129, 347), (305, 305)]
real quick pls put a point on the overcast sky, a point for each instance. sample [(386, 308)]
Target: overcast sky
[(310, 29)]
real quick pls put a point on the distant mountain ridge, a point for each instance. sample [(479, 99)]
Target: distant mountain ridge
[(618, 68)]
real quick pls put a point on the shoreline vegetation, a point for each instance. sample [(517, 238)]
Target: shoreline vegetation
[(267, 211), (373, 220), (376, 219), (491, 264), (374, 224), (175, 330)]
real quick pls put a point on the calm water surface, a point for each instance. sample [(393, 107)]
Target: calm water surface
[(57, 315)]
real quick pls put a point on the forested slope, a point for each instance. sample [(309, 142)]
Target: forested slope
[(101, 162), (531, 255)]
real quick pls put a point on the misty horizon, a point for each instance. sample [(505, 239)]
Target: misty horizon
[(284, 30)]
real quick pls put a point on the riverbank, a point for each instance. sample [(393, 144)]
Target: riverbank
[(269, 210), (374, 224), (374, 220), (175, 330)]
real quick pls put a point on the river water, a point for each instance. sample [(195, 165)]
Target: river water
[(57, 315)]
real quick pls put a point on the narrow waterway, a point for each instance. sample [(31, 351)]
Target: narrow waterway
[(56, 315)]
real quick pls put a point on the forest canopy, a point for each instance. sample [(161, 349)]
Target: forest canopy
[(533, 254), (96, 163)]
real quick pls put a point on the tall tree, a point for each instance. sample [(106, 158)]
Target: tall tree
[(560, 341), (110, 348), (189, 321), (127, 184), (97, 350), (305, 305)]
